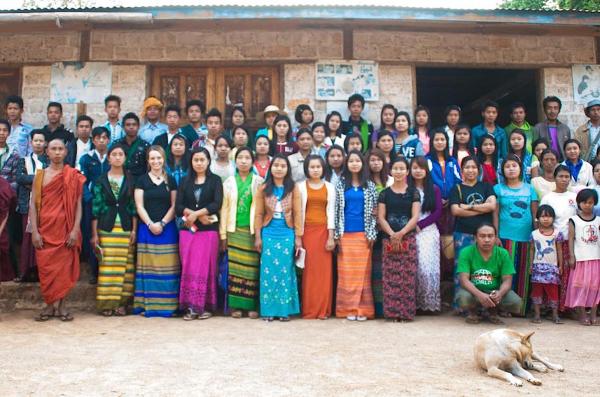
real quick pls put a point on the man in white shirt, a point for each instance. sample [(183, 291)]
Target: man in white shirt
[(83, 144), (112, 107)]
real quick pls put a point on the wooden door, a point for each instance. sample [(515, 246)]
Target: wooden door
[(176, 86), (10, 84), (252, 88)]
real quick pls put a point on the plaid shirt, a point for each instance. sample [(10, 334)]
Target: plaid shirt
[(9, 169)]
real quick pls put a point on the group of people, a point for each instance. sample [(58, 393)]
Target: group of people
[(311, 218)]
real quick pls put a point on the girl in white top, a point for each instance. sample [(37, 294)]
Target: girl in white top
[(584, 244), (562, 201), (582, 174), (221, 164)]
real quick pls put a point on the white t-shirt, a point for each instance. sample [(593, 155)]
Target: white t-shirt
[(542, 186), (587, 239), (544, 245), (565, 206)]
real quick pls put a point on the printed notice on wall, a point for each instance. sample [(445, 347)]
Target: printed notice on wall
[(337, 80), (586, 83), (74, 82)]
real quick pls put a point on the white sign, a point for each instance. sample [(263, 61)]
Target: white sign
[(586, 83), (74, 82), (337, 80)]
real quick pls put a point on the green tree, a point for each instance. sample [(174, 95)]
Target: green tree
[(589, 5)]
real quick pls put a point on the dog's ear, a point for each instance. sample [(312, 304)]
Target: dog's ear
[(527, 336)]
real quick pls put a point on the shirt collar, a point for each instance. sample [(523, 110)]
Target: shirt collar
[(102, 159)]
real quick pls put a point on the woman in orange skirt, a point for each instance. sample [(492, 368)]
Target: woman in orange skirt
[(318, 213), (355, 232)]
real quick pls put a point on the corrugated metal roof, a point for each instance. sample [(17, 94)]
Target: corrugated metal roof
[(140, 5)]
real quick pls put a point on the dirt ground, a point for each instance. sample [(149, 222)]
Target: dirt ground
[(135, 356)]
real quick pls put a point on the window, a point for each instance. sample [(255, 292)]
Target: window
[(10, 83), (252, 88)]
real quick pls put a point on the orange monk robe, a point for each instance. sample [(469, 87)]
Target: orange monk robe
[(58, 265)]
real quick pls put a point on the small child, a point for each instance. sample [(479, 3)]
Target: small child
[(583, 289), (546, 264)]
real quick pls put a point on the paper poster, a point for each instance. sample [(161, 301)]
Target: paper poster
[(337, 80), (74, 82), (586, 83)]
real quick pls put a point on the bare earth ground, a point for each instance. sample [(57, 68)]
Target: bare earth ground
[(135, 356)]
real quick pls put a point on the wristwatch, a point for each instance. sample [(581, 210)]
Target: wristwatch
[(162, 224)]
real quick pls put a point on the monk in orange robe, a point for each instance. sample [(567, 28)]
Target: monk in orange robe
[(55, 215)]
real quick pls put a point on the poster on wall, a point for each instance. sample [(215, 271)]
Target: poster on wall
[(586, 83), (337, 80), (74, 82)]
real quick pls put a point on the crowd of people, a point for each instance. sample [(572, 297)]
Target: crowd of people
[(308, 218)]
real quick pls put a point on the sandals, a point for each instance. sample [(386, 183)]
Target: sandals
[(253, 315), (205, 315), (284, 319), (473, 319), (536, 320), (190, 315), (66, 317), (120, 312), (557, 320), (107, 313), (42, 317), (236, 314), (495, 320)]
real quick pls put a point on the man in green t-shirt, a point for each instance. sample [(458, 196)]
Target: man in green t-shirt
[(485, 272)]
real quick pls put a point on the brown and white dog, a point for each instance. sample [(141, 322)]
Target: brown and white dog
[(506, 354)]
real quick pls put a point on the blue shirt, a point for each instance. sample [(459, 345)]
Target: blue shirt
[(499, 135), (19, 139), (149, 131), (116, 132), (515, 220), (354, 210)]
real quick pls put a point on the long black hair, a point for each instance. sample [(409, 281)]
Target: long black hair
[(328, 170), (470, 149), (432, 151), (288, 182), (524, 150), (191, 176), (329, 116), (422, 108), (383, 109), (428, 189), (363, 174), (185, 159), (481, 155), (393, 153), (283, 117)]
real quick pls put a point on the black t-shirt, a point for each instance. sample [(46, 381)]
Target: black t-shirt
[(478, 194), (398, 206), (157, 198)]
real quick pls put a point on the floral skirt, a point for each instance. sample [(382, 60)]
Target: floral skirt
[(400, 279)]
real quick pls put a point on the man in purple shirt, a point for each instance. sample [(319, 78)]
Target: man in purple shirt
[(551, 128)]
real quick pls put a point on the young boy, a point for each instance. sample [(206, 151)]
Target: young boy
[(112, 107), (356, 124), (19, 135), (196, 128), (214, 126), (26, 168), (151, 113), (172, 116), (135, 147), (269, 115), (92, 165), (489, 112), (83, 144), (54, 129)]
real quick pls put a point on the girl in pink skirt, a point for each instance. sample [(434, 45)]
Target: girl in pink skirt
[(584, 243)]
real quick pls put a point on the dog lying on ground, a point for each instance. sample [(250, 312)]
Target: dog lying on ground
[(506, 354)]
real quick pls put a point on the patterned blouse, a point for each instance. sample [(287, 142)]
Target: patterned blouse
[(370, 204)]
